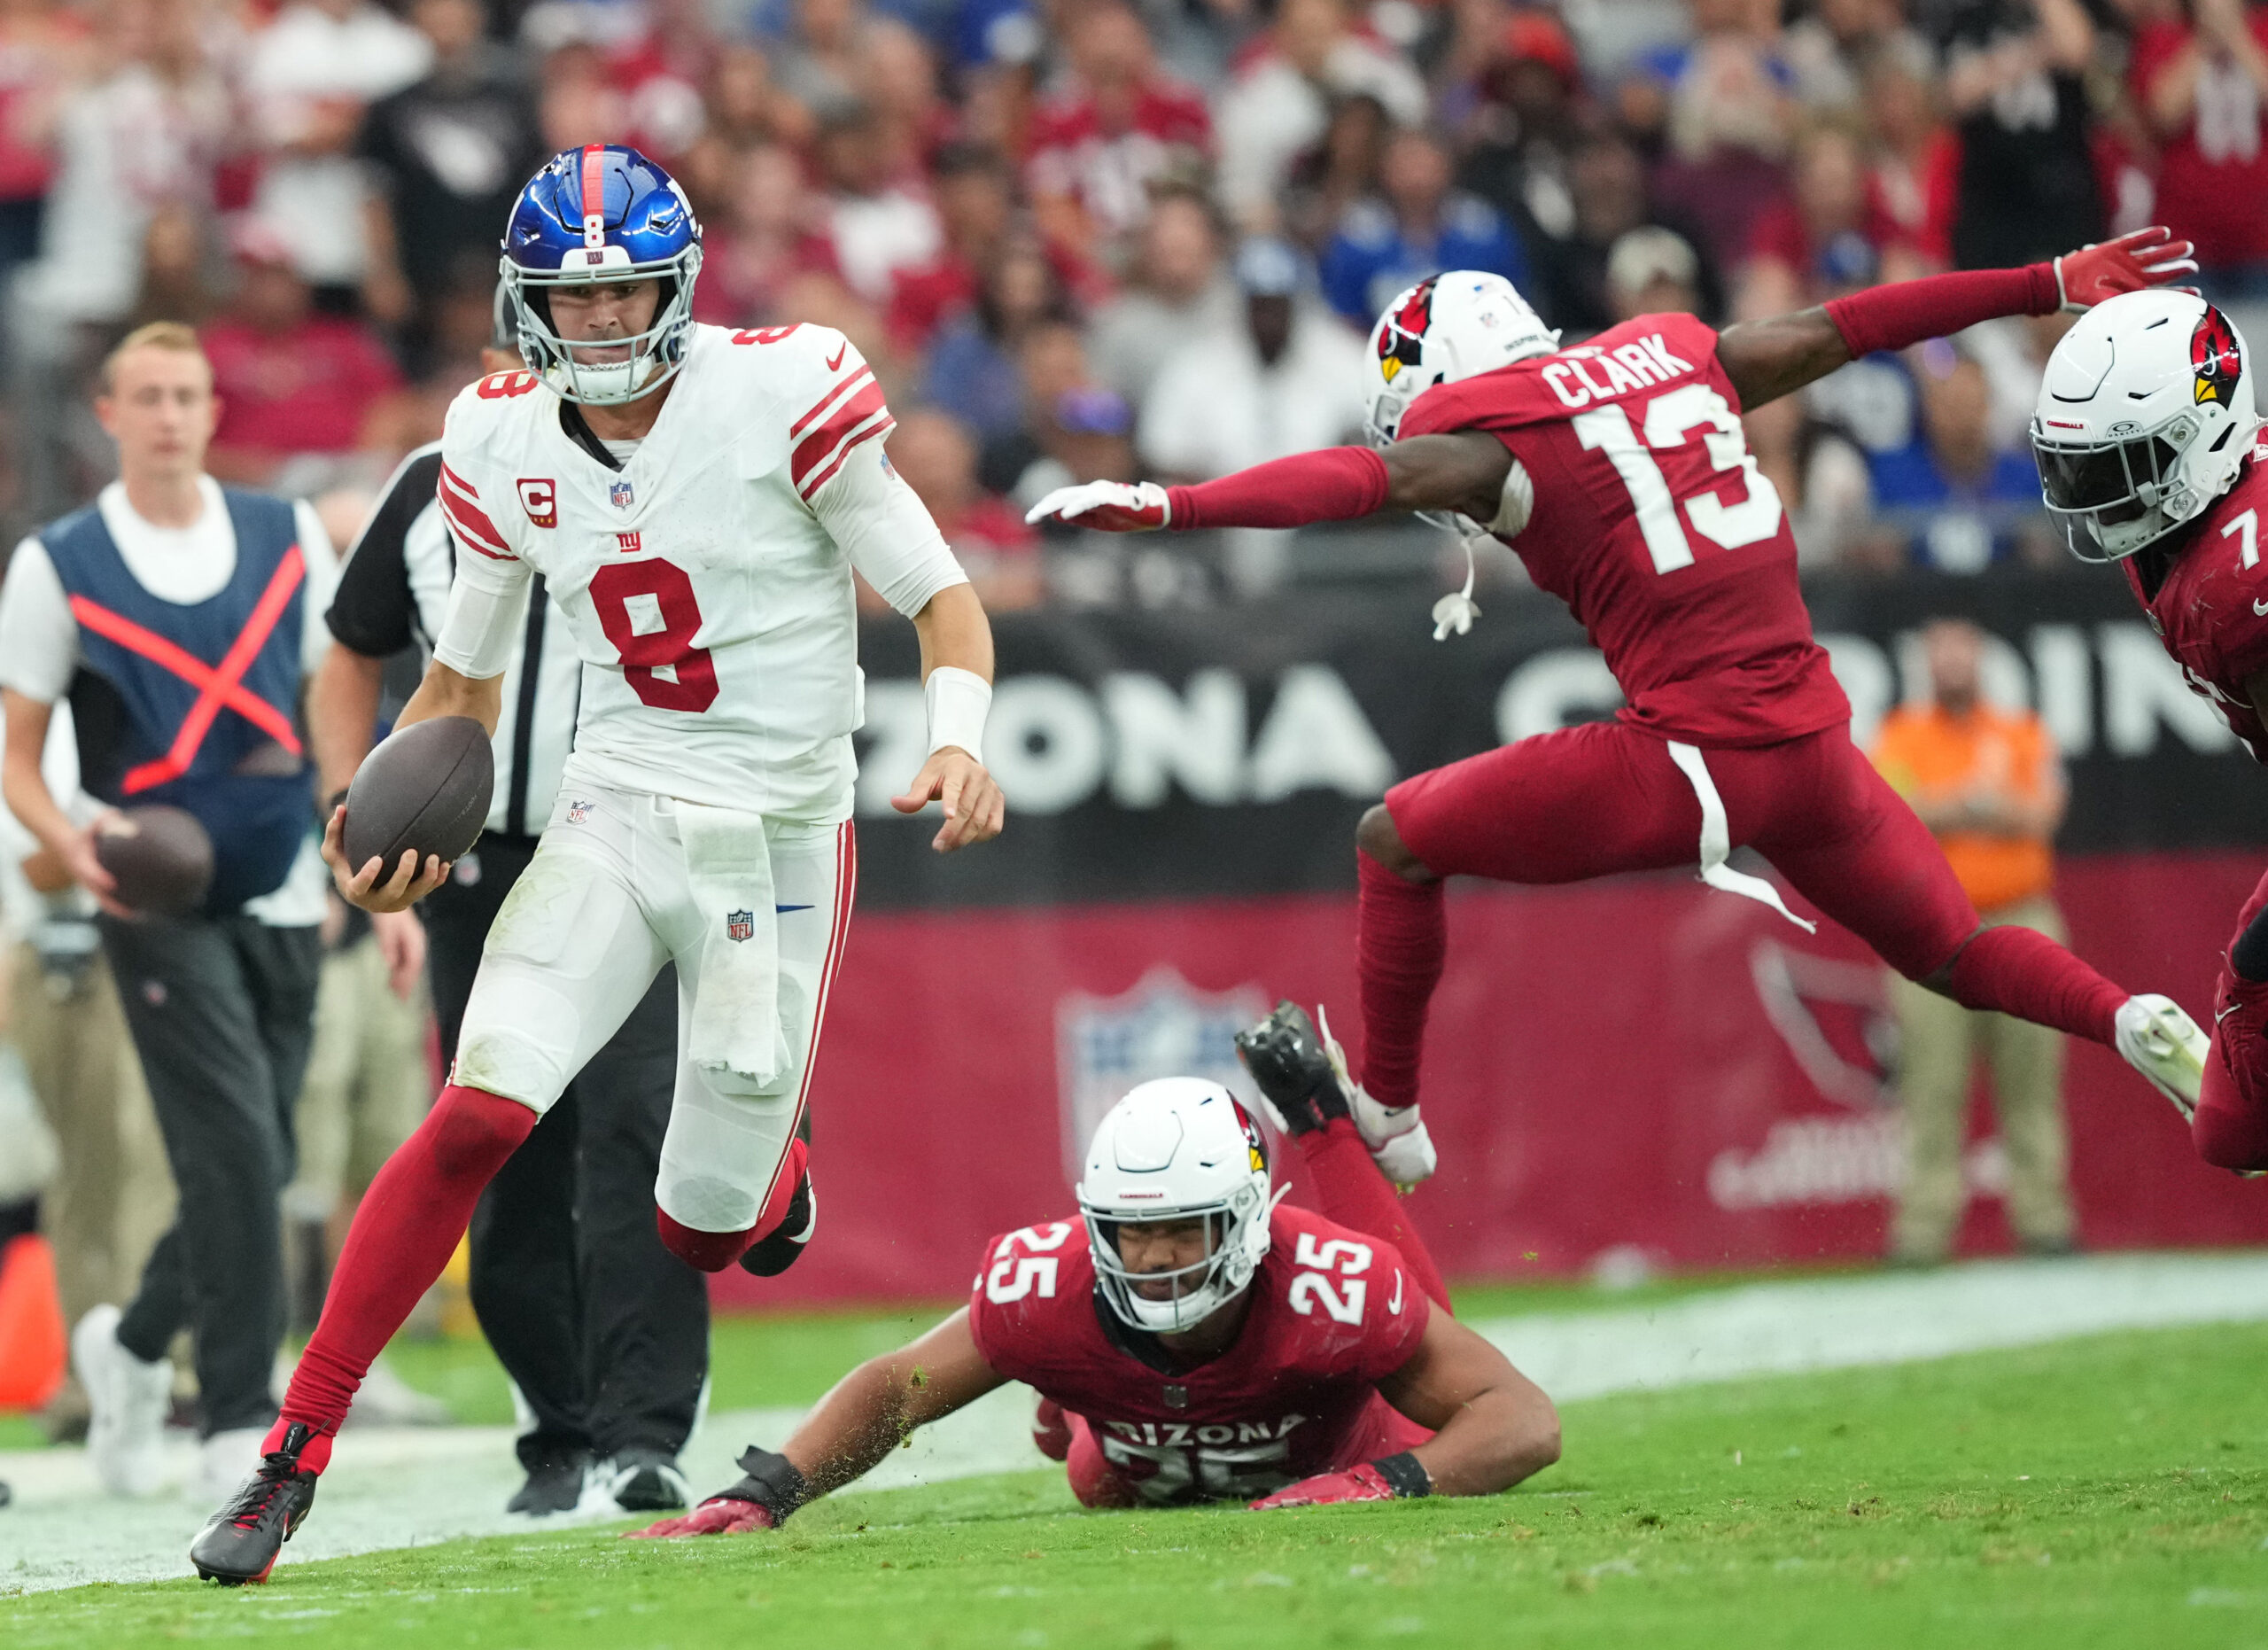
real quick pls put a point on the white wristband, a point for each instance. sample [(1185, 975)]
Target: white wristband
[(958, 701)]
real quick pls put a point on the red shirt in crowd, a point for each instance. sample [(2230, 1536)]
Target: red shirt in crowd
[(2213, 174), (1108, 172), (304, 391)]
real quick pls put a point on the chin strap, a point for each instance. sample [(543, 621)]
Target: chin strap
[(1456, 611)]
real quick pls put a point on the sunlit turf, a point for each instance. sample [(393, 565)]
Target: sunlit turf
[(2105, 1492)]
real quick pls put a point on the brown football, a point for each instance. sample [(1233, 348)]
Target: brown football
[(425, 789), (161, 858)]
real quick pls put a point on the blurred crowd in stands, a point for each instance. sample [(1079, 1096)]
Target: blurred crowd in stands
[(1081, 238)]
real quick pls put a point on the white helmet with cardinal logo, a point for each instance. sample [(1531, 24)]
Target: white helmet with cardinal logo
[(2144, 418), (1445, 329)]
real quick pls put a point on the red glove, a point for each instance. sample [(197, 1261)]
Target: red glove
[(2145, 258), (723, 1517), (1357, 1483)]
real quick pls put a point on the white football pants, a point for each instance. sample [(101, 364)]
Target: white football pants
[(604, 903)]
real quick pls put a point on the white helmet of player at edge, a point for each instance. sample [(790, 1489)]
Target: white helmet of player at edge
[(1178, 1149), (2145, 415), (1449, 327)]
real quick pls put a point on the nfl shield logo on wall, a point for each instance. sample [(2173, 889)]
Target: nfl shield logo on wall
[(621, 495), (740, 925), (1163, 1027)]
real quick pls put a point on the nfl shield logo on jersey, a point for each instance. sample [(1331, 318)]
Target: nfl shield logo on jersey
[(740, 925), (621, 495), (1163, 1027)]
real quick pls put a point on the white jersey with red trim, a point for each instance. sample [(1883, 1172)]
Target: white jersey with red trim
[(706, 580)]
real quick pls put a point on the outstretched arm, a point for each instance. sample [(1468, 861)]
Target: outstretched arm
[(868, 1413), (1769, 358), (1462, 472), (1492, 1425)]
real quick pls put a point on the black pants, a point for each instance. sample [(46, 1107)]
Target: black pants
[(603, 1330), (222, 1012)]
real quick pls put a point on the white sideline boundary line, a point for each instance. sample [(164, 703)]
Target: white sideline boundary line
[(404, 1487)]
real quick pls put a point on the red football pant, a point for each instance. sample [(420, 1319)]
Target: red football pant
[(1605, 798), (1351, 1190), (1380, 1430)]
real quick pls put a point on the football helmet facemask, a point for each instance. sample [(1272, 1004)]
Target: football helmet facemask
[(601, 214), (1178, 1149), (2145, 415)]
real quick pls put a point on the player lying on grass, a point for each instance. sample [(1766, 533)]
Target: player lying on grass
[(2147, 434), (1619, 471), (1190, 1339), (695, 499)]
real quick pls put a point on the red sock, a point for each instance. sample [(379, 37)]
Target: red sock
[(1356, 1194), (403, 1234), (2015, 970), (713, 1252), (1401, 936)]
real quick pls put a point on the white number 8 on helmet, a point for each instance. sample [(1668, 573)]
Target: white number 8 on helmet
[(2145, 415)]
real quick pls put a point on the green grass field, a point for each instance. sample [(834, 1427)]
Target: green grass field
[(2105, 1492)]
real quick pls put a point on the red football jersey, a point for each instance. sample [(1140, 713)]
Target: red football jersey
[(2210, 603), (1653, 524), (1332, 1311)]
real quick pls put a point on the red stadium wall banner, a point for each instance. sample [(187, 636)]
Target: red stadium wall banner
[(1635, 1068), (1639, 1068)]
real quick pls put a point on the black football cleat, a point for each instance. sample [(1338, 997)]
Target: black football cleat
[(1288, 1060), (780, 1248), (239, 1544), (553, 1486)]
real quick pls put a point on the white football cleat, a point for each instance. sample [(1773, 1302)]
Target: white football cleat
[(2165, 1046), (127, 1401), (1396, 1135)]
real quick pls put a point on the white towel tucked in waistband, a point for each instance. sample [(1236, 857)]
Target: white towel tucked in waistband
[(1717, 839), (737, 1032)]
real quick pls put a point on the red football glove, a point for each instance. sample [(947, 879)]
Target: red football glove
[(1357, 1483), (1052, 1431), (2143, 259), (723, 1517), (1113, 506)]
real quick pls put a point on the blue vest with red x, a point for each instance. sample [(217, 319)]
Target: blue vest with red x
[(192, 705)]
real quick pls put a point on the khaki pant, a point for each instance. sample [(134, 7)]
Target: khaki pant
[(1939, 1043), (114, 1197), (369, 1081)]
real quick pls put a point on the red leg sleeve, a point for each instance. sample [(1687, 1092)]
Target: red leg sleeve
[(1356, 1196), (1401, 940), (403, 1234), (2016, 971), (713, 1252)]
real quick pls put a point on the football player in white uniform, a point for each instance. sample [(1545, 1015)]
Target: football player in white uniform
[(694, 500)]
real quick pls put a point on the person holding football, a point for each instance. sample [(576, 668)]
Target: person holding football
[(1619, 472), (1192, 1336)]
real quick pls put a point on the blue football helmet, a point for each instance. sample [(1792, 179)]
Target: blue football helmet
[(601, 212)]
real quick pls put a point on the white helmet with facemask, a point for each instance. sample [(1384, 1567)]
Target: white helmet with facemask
[(1177, 1149), (2145, 415)]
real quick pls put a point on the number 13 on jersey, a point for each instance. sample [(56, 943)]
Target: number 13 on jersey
[(1668, 419)]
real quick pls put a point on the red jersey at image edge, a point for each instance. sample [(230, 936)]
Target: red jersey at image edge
[(2211, 608), (1653, 524), (1333, 1311)]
